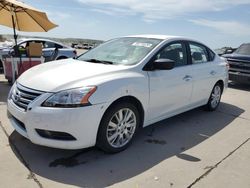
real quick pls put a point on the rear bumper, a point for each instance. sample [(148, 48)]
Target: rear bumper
[(239, 77)]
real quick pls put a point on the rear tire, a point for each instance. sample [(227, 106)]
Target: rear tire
[(118, 127), (215, 97)]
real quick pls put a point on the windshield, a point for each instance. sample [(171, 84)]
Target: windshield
[(244, 49), (122, 51)]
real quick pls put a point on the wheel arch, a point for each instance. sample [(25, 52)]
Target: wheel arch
[(132, 100), (61, 57), (221, 83)]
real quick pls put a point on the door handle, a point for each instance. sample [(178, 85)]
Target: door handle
[(213, 72), (187, 78)]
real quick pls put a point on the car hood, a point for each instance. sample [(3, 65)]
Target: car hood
[(237, 57), (65, 74)]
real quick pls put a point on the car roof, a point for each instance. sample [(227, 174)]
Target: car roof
[(245, 44), (165, 37), (39, 39), (162, 37), (168, 37)]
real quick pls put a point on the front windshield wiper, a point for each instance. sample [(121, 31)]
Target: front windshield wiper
[(99, 61)]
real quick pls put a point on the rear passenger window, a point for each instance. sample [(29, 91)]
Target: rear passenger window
[(198, 53), (52, 45), (49, 45)]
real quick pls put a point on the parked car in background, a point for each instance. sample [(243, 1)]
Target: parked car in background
[(74, 45), (3, 45), (239, 62), (87, 46), (105, 95), (1, 62), (51, 50), (225, 50)]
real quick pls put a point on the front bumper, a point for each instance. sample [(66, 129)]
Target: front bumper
[(239, 77), (82, 123)]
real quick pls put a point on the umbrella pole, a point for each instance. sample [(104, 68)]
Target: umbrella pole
[(14, 29), (16, 50)]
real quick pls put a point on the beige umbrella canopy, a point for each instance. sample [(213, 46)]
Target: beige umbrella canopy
[(22, 17)]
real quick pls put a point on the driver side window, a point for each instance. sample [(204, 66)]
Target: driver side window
[(175, 52)]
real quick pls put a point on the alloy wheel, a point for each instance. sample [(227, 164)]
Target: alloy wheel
[(215, 97), (121, 127)]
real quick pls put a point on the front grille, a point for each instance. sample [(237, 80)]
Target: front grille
[(23, 96), (237, 66)]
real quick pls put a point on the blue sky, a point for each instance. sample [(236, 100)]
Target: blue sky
[(217, 23)]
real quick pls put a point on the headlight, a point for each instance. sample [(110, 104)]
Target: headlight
[(70, 98)]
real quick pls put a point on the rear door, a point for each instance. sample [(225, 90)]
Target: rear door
[(170, 90), (204, 73)]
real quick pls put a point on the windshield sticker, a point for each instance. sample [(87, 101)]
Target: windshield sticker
[(124, 61), (146, 45)]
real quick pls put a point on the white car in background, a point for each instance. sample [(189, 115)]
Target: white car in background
[(51, 50), (104, 96)]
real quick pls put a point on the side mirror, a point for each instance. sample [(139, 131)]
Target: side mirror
[(163, 64)]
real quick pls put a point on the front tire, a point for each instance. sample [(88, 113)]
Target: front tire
[(215, 97), (118, 127)]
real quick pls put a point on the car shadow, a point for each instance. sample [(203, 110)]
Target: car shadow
[(239, 86), (154, 144)]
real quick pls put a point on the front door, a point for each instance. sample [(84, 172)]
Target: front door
[(170, 90)]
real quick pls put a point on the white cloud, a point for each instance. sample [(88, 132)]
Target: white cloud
[(58, 15), (161, 9), (227, 27), (114, 11)]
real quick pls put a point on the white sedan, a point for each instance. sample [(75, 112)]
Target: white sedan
[(104, 96)]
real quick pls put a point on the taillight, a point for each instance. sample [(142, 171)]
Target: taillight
[(227, 64)]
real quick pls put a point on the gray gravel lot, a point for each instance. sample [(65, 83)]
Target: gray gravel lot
[(194, 149)]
